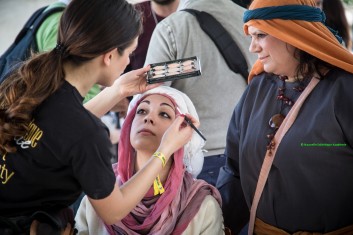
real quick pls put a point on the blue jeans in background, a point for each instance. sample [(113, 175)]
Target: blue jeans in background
[(210, 169)]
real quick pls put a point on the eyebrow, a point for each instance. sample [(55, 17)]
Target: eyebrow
[(257, 31), (162, 104)]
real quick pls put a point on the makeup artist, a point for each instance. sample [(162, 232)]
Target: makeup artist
[(292, 124), (52, 147)]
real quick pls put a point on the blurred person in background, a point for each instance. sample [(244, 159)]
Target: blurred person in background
[(219, 88), (336, 19)]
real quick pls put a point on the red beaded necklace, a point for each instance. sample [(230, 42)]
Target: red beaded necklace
[(277, 119)]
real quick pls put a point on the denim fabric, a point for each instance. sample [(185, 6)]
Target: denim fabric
[(77, 203), (210, 169), (244, 231)]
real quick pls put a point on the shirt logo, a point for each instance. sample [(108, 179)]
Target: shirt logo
[(31, 138)]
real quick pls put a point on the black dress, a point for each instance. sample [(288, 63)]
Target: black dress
[(309, 187)]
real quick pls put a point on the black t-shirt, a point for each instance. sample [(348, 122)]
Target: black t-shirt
[(66, 150)]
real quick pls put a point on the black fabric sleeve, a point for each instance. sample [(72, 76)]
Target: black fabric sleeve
[(92, 166), (235, 209)]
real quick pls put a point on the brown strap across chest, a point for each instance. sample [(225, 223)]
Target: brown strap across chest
[(270, 154)]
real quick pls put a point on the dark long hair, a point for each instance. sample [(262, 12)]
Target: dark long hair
[(88, 28), (309, 65), (337, 20)]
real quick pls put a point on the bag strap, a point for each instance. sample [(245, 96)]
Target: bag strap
[(36, 20), (224, 42), (269, 157), (29, 23), (25, 41)]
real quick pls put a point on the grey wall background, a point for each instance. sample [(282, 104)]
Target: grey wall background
[(13, 15)]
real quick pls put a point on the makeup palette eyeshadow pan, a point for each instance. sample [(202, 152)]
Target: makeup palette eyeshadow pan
[(174, 70)]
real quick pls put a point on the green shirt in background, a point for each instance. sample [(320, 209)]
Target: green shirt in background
[(46, 40)]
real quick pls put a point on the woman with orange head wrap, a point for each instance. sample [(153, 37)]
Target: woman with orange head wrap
[(292, 125)]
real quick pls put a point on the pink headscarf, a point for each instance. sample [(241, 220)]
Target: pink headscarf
[(171, 212)]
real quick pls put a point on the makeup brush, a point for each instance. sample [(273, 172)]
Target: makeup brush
[(188, 121)]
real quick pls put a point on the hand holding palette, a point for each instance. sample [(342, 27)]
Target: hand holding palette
[(173, 70)]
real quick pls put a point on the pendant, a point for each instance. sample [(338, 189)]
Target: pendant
[(276, 120)]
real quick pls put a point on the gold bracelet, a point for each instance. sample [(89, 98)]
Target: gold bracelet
[(161, 157)]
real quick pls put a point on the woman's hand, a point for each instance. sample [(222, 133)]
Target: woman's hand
[(129, 84), (177, 135), (133, 82)]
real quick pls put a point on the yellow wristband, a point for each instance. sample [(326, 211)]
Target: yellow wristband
[(161, 157)]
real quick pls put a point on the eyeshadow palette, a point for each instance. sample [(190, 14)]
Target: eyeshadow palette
[(174, 70)]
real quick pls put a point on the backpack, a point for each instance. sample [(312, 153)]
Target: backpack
[(25, 41), (224, 42)]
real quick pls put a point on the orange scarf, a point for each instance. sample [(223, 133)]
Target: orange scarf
[(312, 37)]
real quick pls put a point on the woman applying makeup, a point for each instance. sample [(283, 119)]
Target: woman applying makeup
[(52, 147)]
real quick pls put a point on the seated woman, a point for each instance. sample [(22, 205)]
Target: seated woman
[(177, 203)]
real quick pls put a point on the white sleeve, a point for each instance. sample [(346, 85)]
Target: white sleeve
[(87, 221), (208, 220)]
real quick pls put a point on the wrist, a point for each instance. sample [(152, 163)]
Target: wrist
[(165, 152), (161, 157), (118, 92)]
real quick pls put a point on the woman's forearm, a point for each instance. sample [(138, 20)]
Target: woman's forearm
[(104, 101)]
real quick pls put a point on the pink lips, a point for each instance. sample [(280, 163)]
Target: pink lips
[(263, 57), (146, 132)]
